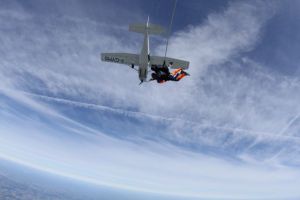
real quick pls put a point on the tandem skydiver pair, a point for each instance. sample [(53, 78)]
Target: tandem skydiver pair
[(162, 74)]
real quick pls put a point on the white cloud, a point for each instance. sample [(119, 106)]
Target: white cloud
[(151, 167), (230, 104)]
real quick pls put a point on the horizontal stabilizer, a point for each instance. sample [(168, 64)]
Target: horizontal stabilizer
[(172, 62), (143, 28), (121, 58)]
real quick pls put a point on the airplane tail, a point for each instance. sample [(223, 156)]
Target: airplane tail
[(152, 29)]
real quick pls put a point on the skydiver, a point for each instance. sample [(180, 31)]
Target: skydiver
[(162, 74)]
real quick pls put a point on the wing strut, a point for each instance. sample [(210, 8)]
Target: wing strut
[(169, 31)]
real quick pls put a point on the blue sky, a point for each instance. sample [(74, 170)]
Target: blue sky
[(232, 132)]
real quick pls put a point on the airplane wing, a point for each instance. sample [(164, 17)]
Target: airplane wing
[(175, 63), (121, 58)]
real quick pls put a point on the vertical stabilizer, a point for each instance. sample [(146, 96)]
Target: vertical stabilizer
[(147, 22)]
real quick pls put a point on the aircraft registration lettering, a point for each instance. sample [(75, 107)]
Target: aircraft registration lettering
[(113, 59)]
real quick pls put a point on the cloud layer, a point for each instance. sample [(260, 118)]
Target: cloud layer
[(232, 126)]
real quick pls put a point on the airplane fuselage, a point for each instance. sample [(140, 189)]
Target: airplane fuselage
[(144, 58)]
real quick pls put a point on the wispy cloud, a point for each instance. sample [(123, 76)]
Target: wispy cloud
[(235, 119), (148, 167)]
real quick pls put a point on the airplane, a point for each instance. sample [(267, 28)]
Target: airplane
[(144, 60)]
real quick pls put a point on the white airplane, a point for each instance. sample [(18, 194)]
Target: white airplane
[(143, 60)]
